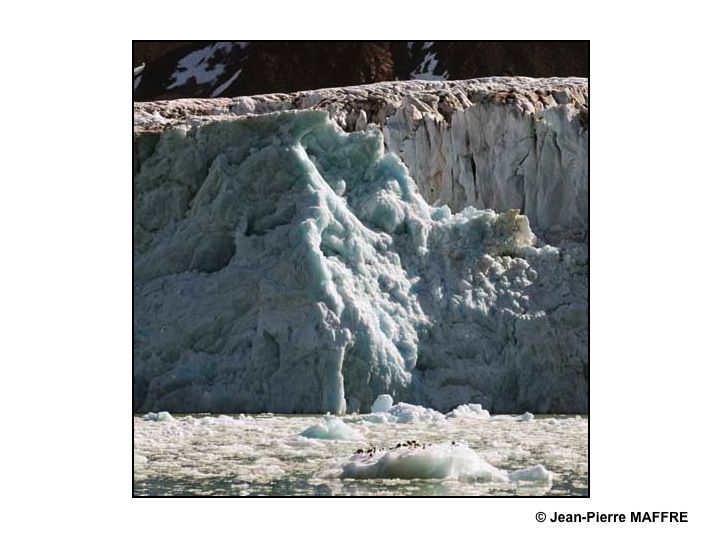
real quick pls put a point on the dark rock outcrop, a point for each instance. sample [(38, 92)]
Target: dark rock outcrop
[(183, 69)]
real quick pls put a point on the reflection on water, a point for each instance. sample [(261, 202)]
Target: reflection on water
[(264, 455)]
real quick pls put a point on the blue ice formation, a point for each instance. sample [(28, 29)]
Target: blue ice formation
[(283, 265)]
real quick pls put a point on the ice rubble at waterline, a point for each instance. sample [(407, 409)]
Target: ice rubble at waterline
[(283, 265)]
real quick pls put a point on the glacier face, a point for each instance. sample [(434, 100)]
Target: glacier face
[(282, 264), (499, 143)]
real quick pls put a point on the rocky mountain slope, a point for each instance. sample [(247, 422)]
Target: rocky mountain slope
[(181, 69)]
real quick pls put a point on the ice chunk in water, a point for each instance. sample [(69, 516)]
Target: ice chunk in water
[(382, 403), (332, 428), (439, 461), (538, 473), (404, 413), (162, 416), (526, 417), (471, 410)]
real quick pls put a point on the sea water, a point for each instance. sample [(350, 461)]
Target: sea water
[(266, 455)]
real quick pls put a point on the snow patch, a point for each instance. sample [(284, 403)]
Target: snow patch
[(426, 70), (196, 65), (224, 86)]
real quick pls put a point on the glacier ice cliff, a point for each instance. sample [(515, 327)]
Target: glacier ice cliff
[(500, 142), (284, 264)]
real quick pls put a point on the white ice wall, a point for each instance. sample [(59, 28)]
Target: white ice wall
[(283, 265)]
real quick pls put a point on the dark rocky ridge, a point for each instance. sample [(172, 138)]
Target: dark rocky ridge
[(260, 67)]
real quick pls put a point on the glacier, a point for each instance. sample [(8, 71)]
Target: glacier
[(284, 264), (497, 143)]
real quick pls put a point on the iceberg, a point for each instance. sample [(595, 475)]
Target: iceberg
[(332, 428), (434, 461), (538, 473), (281, 264)]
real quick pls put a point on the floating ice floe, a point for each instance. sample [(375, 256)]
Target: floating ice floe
[(470, 410), (332, 428), (162, 416), (538, 473), (526, 417), (435, 461)]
